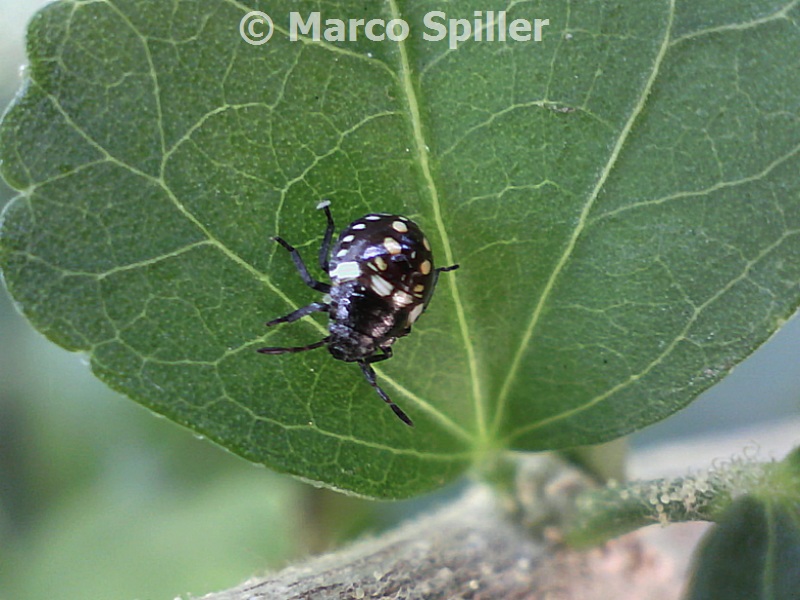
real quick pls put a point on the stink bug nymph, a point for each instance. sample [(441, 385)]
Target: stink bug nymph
[(382, 279)]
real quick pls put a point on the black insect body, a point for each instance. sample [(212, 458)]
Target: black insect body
[(382, 279)]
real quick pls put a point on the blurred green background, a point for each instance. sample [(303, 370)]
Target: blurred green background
[(100, 499)]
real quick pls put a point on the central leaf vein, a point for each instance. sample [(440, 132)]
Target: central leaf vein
[(410, 95)]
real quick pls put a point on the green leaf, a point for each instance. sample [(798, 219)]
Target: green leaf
[(622, 198), (754, 552)]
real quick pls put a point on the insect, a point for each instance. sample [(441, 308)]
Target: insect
[(382, 279)]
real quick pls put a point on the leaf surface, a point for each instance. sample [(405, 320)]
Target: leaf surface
[(622, 198), (753, 553)]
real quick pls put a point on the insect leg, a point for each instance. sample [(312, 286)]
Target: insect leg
[(300, 313), (318, 344), (369, 374), (324, 250), (387, 353), (442, 270), (301, 267)]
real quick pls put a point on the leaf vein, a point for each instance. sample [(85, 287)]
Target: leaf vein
[(583, 220), (682, 336), (763, 173), (422, 154), (781, 14)]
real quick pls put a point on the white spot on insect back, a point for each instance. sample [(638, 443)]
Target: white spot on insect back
[(359, 226), (400, 227), (415, 313), (346, 271), (380, 286), (425, 267), (348, 238), (392, 246), (402, 299), (372, 218)]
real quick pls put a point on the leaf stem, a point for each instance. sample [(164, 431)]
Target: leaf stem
[(604, 513)]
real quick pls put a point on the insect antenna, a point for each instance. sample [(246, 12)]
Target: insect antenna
[(369, 374)]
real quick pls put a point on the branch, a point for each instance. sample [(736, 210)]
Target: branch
[(472, 549)]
